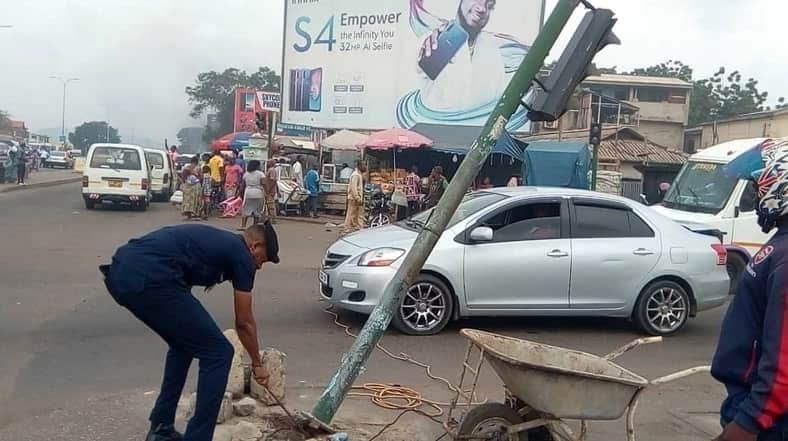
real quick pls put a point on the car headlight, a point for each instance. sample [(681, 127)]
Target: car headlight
[(380, 257)]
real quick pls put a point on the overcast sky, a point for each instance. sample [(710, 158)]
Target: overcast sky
[(134, 57)]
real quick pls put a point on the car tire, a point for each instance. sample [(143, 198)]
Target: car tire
[(735, 266), (90, 204), (662, 309), (419, 311), (491, 421)]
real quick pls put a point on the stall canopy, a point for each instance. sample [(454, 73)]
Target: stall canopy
[(557, 164), (395, 138), (235, 140), (343, 140), (458, 139)]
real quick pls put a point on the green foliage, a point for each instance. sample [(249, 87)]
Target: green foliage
[(213, 92), (92, 132)]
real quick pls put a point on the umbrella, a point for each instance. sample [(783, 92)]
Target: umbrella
[(395, 138), (343, 140), (234, 140)]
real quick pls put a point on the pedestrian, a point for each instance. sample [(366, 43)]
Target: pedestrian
[(191, 205), (345, 173), (239, 159), (413, 190), (216, 163), (254, 198), (298, 171), (354, 217), (21, 165), (173, 153), (312, 183), (207, 192), (438, 185), (232, 178), (751, 359), (486, 184), (271, 188), (152, 276), (514, 181), (44, 157)]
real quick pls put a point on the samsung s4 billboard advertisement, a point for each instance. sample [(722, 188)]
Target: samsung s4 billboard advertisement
[(366, 64)]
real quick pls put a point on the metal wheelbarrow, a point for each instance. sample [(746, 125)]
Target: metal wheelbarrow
[(545, 385)]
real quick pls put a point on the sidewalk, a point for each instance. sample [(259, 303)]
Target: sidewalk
[(44, 178)]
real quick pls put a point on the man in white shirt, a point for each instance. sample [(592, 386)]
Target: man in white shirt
[(298, 171), (477, 69)]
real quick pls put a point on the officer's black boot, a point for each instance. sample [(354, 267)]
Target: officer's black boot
[(163, 432)]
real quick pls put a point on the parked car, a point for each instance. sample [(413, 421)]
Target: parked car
[(527, 251), (162, 181), (182, 160), (116, 174), (59, 158)]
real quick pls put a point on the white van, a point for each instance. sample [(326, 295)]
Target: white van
[(162, 174), (703, 193), (117, 174)]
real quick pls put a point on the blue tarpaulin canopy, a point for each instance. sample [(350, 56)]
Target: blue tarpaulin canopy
[(557, 164), (458, 139)]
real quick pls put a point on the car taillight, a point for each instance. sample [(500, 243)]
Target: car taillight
[(84, 182), (166, 179), (144, 183), (722, 253)]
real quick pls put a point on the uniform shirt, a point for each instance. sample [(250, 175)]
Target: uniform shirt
[(355, 189), (216, 163), (183, 256), (752, 354), (298, 173)]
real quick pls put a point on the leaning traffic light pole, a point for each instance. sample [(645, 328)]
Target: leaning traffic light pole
[(354, 360)]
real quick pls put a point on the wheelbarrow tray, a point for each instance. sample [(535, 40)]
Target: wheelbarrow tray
[(560, 382)]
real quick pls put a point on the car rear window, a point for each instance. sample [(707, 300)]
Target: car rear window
[(117, 158), (593, 221), (155, 159)]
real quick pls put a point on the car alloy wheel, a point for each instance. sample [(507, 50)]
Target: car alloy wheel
[(665, 308), (424, 306)]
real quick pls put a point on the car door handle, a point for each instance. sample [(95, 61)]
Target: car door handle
[(557, 253), (642, 252)]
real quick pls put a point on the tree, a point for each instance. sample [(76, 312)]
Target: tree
[(5, 121), (213, 92), (190, 139), (92, 132), (719, 96)]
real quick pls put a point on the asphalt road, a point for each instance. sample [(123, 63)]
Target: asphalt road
[(74, 365)]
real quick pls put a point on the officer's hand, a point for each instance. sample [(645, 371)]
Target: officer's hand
[(260, 375), (735, 432)]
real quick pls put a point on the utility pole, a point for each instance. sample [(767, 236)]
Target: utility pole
[(65, 82), (353, 361)]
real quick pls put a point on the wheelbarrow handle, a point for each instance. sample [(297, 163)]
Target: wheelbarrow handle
[(632, 345), (680, 374)]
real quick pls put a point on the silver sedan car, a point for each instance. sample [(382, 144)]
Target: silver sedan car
[(528, 251)]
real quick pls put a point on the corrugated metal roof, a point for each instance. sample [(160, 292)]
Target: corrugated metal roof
[(746, 116), (626, 150), (637, 80)]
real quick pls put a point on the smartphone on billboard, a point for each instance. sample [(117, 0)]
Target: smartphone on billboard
[(315, 89), (450, 41)]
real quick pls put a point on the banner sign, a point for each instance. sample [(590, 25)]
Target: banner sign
[(365, 64)]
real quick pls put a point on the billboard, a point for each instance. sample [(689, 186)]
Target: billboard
[(365, 64), (250, 101)]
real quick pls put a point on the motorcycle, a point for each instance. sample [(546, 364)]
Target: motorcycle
[(379, 210)]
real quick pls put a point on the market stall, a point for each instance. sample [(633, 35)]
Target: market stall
[(337, 152)]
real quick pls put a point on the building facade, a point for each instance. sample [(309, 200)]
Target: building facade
[(769, 124)]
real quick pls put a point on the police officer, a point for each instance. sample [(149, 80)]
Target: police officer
[(152, 277), (752, 354)]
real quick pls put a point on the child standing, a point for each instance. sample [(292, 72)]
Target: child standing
[(207, 191)]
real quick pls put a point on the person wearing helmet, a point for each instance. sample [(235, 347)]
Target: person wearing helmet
[(751, 359)]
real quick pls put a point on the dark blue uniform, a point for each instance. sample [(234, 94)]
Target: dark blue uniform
[(752, 354), (152, 276)]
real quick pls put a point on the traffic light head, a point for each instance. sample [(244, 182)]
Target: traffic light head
[(593, 34)]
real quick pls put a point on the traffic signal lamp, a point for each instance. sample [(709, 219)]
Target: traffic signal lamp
[(260, 122), (592, 35), (595, 134)]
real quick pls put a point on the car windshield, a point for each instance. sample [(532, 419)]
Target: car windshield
[(701, 187), (117, 158), (470, 205), (155, 159)]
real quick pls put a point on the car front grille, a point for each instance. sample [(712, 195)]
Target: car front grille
[(333, 260), (326, 290)]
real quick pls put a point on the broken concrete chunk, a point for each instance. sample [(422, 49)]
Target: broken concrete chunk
[(226, 411), (275, 362), (235, 380), (245, 406)]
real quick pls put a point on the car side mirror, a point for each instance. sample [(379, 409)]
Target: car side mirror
[(481, 234)]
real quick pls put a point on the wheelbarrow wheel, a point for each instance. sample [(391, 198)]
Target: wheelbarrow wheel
[(490, 421)]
